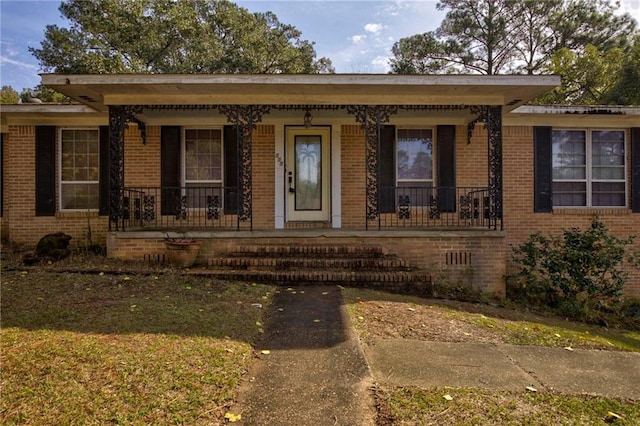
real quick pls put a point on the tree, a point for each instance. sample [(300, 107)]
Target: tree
[(43, 94), (626, 89), (506, 36), (8, 95), (173, 36)]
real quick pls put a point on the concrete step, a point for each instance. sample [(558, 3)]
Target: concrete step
[(313, 250), (376, 279), (295, 263)]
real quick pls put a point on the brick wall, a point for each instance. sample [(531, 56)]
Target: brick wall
[(20, 224), (519, 219), (263, 177), (353, 176), (475, 259), (142, 162)]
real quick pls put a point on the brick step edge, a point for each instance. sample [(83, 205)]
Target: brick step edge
[(303, 262), (292, 250), (292, 277)]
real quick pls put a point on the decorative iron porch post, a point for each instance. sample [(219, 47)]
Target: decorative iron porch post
[(372, 117), (245, 118), (491, 116), (119, 116), (494, 136)]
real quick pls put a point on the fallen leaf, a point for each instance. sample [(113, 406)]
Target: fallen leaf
[(531, 389), (258, 323), (126, 278), (448, 397), (101, 274), (232, 418), (612, 417)]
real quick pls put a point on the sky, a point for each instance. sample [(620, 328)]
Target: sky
[(357, 35)]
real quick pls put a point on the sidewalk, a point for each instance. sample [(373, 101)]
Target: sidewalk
[(317, 373), (505, 367)]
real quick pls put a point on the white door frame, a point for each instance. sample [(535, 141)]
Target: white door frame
[(322, 212)]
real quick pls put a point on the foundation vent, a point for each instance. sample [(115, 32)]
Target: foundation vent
[(455, 258)]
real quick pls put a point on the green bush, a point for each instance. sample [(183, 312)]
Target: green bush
[(578, 272)]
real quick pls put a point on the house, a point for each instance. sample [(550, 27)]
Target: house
[(447, 171)]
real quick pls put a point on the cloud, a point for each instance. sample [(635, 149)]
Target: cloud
[(7, 60), (358, 38), (381, 63), (374, 28)]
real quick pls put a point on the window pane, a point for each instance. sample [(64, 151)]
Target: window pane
[(569, 154), (80, 196), (203, 155), (608, 194), (79, 162), (569, 194), (415, 154), (608, 148), (608, 173)]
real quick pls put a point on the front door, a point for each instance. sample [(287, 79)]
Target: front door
[(307, 179)]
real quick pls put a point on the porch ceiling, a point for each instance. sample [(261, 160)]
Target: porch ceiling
[(100, 91)]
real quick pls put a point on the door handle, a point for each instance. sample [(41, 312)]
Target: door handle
[(290, 179)]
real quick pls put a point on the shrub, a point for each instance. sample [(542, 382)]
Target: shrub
[(579, 271)]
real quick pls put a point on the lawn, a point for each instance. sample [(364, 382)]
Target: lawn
[(124, 349), (384, 315)]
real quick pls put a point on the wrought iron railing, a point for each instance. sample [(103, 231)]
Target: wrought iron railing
[(435, 207), (181, 207), (215, 207)]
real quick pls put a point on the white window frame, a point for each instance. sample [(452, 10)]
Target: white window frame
[(433, 155), (183, 166), (589, 180), (59, 174)]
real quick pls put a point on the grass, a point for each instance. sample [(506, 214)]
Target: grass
[(413, 406), (124, 349), (514, 325)]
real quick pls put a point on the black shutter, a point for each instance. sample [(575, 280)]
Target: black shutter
[(231, 190), (170, 168), (446, 138), (45, 170), (387, 169), (104, 171), (635, 169), (542, 165)]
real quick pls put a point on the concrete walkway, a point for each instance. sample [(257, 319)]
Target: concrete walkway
[(316, 372), (505, 367)]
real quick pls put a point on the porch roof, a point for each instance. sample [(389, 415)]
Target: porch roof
[(100, 91)]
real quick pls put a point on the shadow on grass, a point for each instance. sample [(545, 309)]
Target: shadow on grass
[(517, 324), (168, 303), (172, 303)]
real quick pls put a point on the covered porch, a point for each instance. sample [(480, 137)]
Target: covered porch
[(317, 102)]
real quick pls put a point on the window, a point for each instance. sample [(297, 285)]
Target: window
[(202, 164), (79, 169), (589, 168), (414, 165), (415, 157)]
